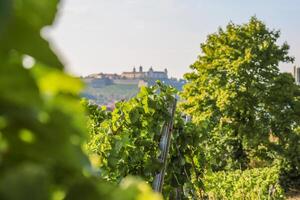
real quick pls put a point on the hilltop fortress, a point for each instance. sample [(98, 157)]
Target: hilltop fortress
[(135, 77), (150, 74), (106, 89)]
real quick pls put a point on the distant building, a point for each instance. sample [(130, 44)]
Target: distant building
[(139, 78), (296, 74), (134, 74), (150, 74), (103, 76), (108, 88)]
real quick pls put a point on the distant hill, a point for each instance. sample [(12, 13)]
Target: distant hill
[(108, 94), (106, 89)]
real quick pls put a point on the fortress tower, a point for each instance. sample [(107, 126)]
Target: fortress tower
[(150, 74)]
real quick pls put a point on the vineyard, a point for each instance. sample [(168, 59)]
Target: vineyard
[(232, 133), (130, 141)]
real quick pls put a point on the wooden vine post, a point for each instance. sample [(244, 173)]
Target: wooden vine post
[(164, 146)]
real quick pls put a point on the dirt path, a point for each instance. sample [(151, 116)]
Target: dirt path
[(293, 195)]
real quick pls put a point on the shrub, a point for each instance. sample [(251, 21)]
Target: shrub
[(258, 183)]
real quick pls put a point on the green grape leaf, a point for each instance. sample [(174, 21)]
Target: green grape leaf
[(22, 29), (17, 86), (27, 180)]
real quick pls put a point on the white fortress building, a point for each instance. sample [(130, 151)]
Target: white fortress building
[(150, 74), (139, 78)]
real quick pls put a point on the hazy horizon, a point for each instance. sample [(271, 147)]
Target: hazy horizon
[(116, 35)]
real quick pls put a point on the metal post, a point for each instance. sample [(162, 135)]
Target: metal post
[(164, 146)]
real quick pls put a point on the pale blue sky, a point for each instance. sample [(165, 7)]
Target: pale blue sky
[(115, 35)]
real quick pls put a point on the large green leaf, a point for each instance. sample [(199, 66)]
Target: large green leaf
[(21, 26), (37, 13), (5, 12), (17, 86), (27, 181)]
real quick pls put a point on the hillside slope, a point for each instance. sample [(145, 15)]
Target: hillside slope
[(108, 94)]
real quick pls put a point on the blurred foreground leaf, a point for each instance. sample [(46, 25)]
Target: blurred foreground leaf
[(42, 123)]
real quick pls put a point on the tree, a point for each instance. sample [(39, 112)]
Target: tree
[(238, 97)]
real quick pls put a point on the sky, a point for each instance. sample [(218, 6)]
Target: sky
[(113, 36)]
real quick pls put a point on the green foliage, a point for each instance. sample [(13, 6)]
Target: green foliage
[(238, 97), (42, 123), (20, 30), (290, 173), (259, 183), (125, 142), (187, 161)]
